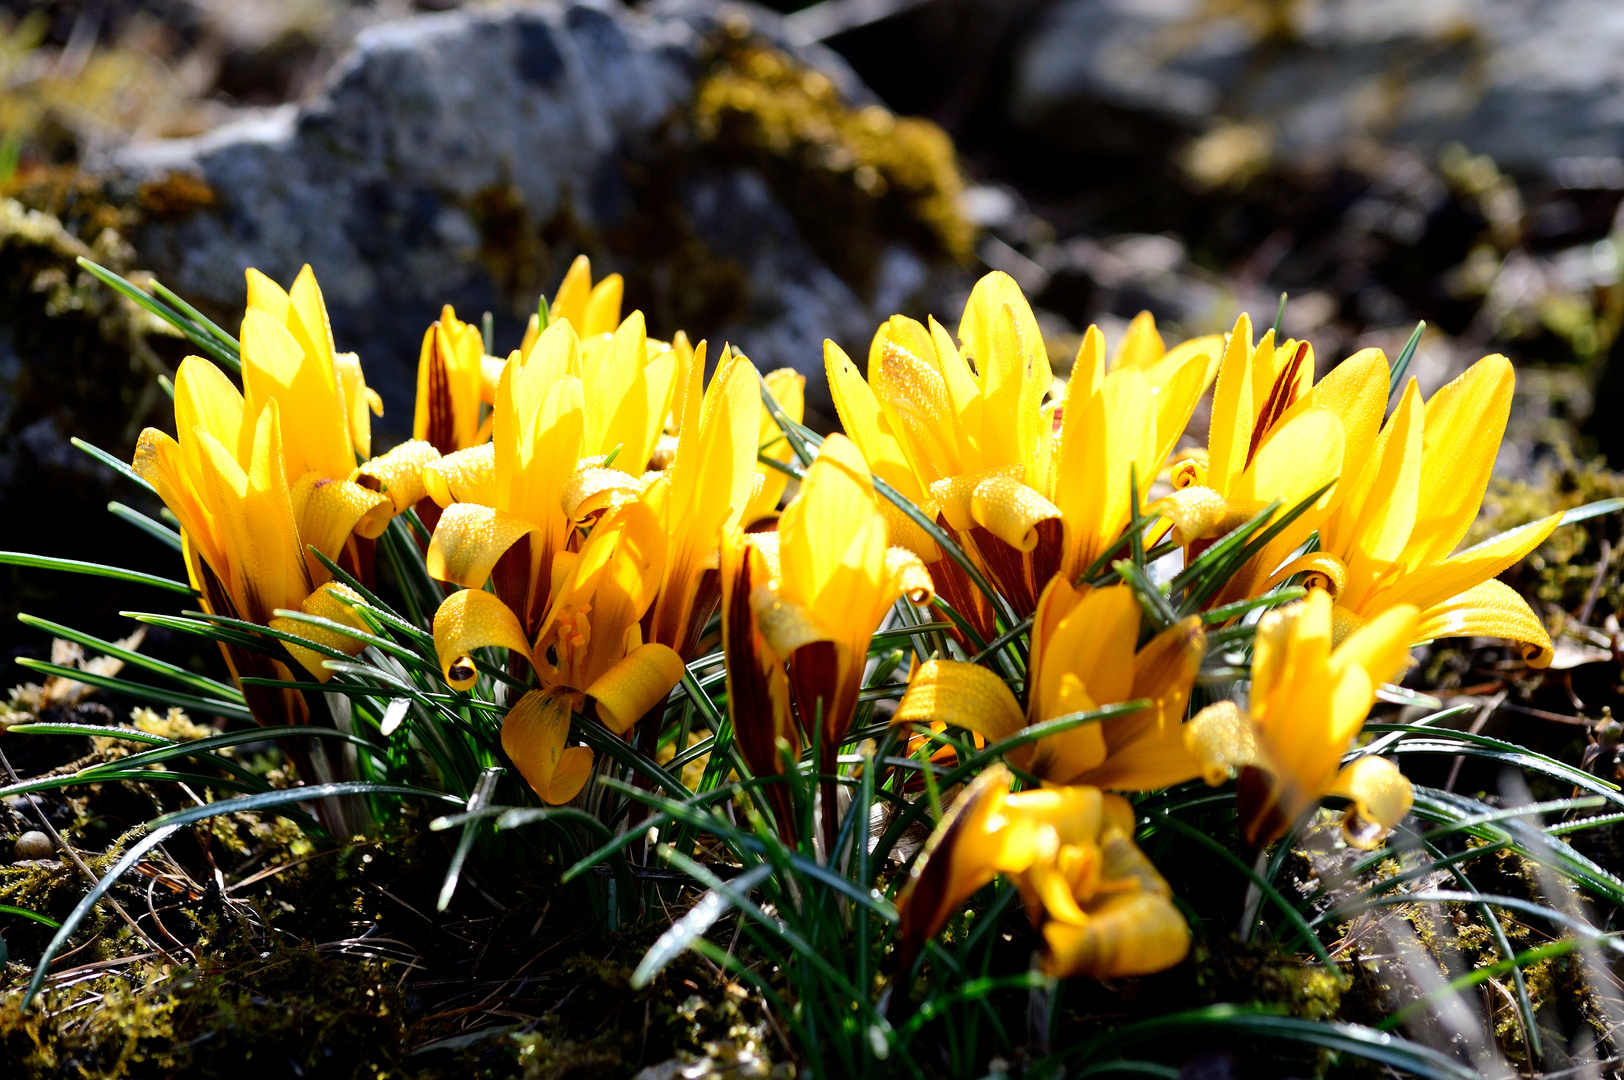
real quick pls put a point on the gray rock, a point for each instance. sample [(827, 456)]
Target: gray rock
[(1529, 82), (378, 183)]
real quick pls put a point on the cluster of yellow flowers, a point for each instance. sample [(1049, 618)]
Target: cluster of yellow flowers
[(593, 502)]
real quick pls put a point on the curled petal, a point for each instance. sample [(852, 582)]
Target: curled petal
[(1325, 571), (592, 489), (964, 695), (1222, 739), (955, 495), (335, 602), (1011, 511), (909, 576), (1190, 471), (1133, 933), (1489, 609), (468, 540), (468, 620), (785, 626), (467, 476), (1380, 796), (533, 736), (1196, 513), (399, 473), (327, 511), (635, 684)]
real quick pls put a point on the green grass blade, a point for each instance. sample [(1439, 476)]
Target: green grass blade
[(682, 934), (201, 683), (202, 706), (155, 529), (1395, 378), (120, 467), (75, 566)]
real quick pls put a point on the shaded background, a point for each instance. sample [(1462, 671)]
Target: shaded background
[(1461, 163)]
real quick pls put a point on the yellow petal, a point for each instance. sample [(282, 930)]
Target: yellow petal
[(785, 626), (1222, 739), (473, 619), (964, 695), (1106, 446), (276, 368), (637, 683), (864, 422), (332, 601), (905, 532), (308, 318), (569, 302), (1133, 934), (1196, 513), (360, 402), (399, 473), (253, 517), (590, 489), (1380, 794), (958, 860), (1011, 511), (533, 736), (328, 511), (1141, 346), (602, 313), (1431, 585), (1489, 609), (835, 504), (467, 542), (909, 576), (1378, 508), (1146, 751), (1325, 571), (206, 398), (267, 295), (467, 476), (1232, 416), (1464, 422), (1381, 646)]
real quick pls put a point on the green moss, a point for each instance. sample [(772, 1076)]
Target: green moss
[(851, 176)]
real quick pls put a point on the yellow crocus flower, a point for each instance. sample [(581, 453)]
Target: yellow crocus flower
[(1116, 430), (1309, 697), (703, 495), (832, 578), (1083, 658), (965, 435), (1390, 539), (507, 494), (1100, 905), (451, 385), (253, 492), (1275, 434), (589, 649)]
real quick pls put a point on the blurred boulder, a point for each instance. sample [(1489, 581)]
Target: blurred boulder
[(1534, 84), (466, 157)]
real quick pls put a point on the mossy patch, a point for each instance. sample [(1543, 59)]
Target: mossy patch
[(853, 177)]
